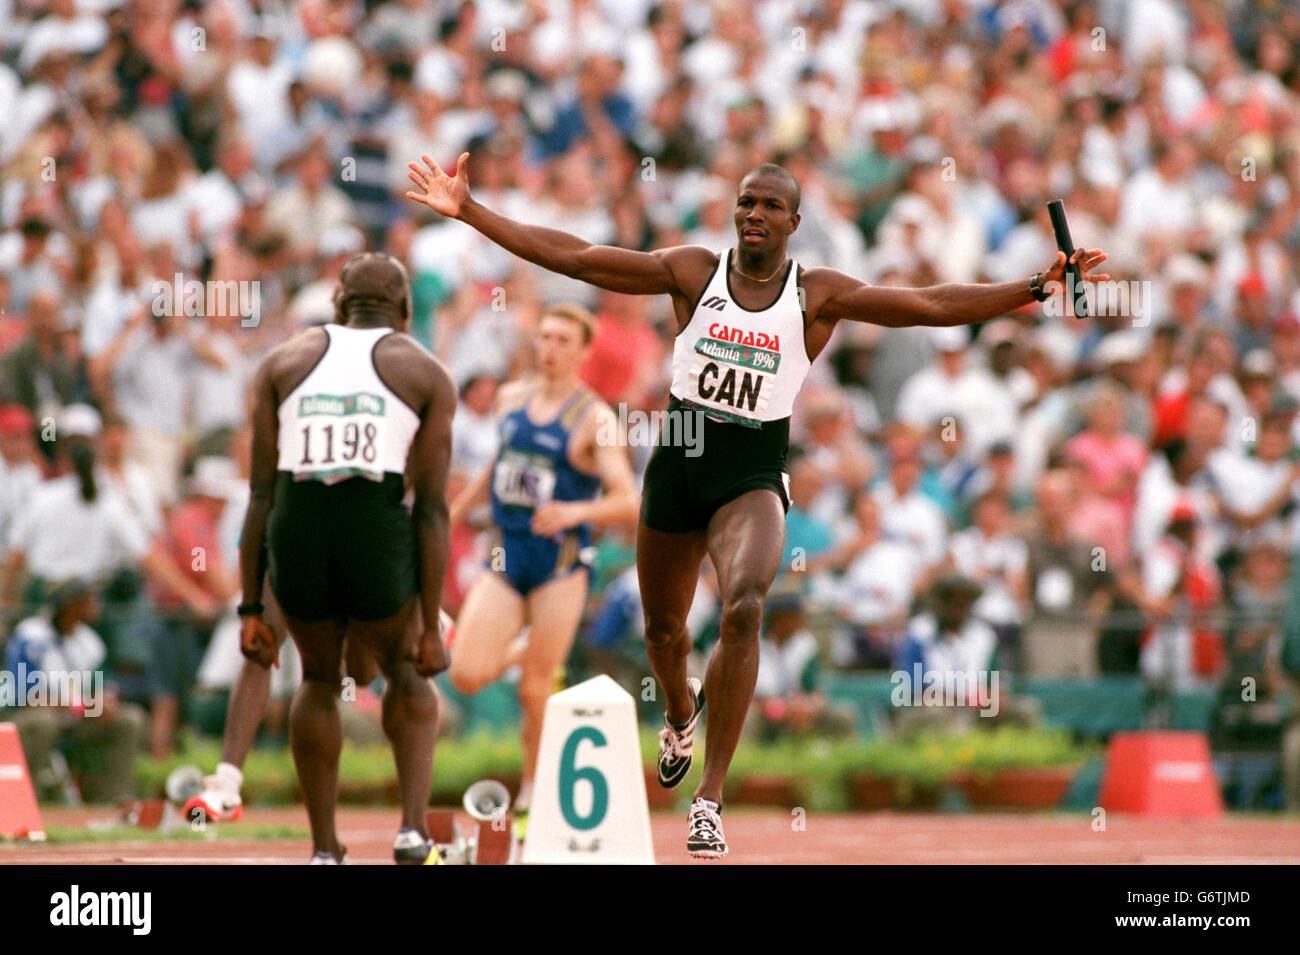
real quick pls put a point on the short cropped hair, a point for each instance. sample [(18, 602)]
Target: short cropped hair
[(573, 312)]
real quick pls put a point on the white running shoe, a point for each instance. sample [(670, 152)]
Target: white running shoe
[(704, 840), (216, 803)]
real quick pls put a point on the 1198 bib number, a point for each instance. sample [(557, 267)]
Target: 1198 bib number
[(354, 441)]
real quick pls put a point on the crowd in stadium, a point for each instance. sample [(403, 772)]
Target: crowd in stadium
[(1114, 494)]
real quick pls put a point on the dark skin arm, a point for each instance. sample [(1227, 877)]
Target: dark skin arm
[(427, 470), (832, 296), (256, 639), (423, 383), (664, 271), (683, 271)]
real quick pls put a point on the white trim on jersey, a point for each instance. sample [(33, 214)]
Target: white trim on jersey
[(342, 421), (743, 365)]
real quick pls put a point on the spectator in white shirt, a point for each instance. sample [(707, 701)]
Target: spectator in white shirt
[(63, 30), (906, 514), (258, 90), (147, 367), (220, 380), (787, 698), (77, 527), (1159, 198), (1182, 651), (836, 453), (58, 650), (875, 594), (309, 207), (20, 474), (952, 652), (953, 387), (1258, 490), (474, 427)]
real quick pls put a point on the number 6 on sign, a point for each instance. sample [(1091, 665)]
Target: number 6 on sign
[(571, 775), (589, 803)]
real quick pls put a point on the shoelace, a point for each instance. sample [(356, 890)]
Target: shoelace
[(676, 744), (705, 822)]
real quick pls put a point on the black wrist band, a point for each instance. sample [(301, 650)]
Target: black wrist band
[(249, 610), (1036, 287)]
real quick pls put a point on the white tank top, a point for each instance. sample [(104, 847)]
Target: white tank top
[(343, 421), (741, 365)]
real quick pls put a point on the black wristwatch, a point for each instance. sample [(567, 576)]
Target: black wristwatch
[(1036, 287), (249, 610)]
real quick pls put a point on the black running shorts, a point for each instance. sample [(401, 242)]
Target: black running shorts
[(683, 489), (343, 550)]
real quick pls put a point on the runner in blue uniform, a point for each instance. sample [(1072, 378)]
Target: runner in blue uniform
[(556, 454)]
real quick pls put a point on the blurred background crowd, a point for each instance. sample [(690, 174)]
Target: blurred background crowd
[(1057, 498)]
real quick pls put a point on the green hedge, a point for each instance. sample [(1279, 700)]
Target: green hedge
[(366, 773), (818, 768)]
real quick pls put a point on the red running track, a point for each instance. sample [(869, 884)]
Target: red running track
[(768, 836)]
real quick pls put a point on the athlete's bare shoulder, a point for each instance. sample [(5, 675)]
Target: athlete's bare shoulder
[(414, 373), (691, 266), (821, 284), (289, 362), (404, 348)]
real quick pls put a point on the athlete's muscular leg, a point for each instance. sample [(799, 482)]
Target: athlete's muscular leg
[(668, 568), (315, 729), (490, 618), (554, 611), (410, 706), (746, 538)]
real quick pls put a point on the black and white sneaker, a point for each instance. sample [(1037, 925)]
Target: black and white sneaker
[(411, 848), (676, 742), (704, 840)]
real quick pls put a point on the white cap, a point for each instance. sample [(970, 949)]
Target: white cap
[(911, 209), (214, 477), (340, 240), (332, 64), (1118, 347), (949, 338), (879, 113), (80, 421), (508, 85), (1187, 270), (1259, 361)]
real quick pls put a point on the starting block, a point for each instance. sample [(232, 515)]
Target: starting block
[(491, 842), (20, 817)]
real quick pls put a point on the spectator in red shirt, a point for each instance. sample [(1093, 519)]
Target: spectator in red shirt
[(1169, 411), (191, 541), (625, 352), (1112, 458)]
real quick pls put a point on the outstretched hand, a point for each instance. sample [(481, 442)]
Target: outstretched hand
[(442, 193), (1087, 260)]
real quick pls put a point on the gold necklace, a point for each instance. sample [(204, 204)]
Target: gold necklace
[(752, 279)]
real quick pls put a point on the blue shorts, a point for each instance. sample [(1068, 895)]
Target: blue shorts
[(528, 561)]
